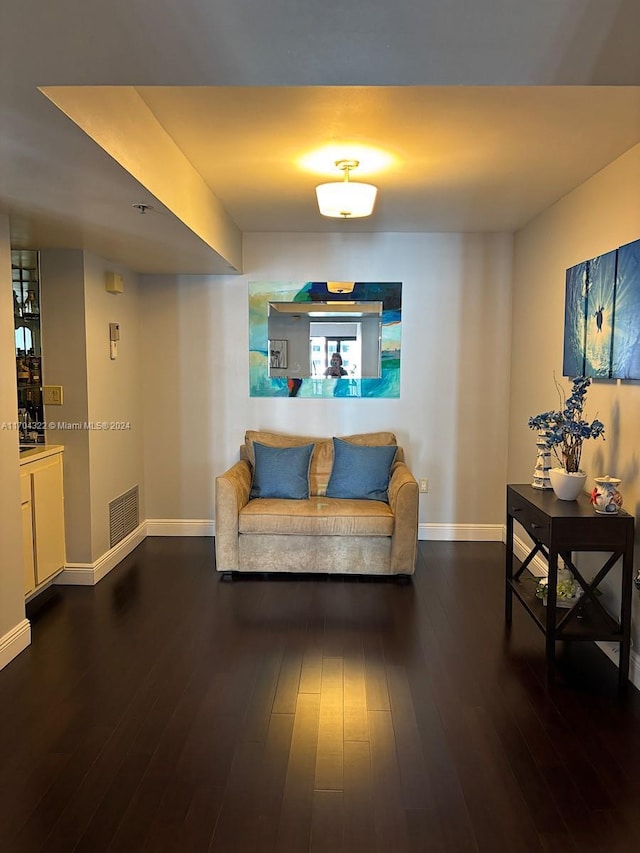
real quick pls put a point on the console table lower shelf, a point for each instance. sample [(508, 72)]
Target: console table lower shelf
[(558, 529)]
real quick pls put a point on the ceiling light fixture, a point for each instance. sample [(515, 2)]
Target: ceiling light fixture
[(346, 199), (340, 286)]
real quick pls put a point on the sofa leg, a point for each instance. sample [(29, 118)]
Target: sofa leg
[(403, 579), (227, 576)]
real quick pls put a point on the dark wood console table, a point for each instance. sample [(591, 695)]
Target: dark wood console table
[(557, 529)]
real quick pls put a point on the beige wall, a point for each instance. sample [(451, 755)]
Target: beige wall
[(116, 453), (100, 464), (600, 215), (452, 412), (64, 362), (11, 567)]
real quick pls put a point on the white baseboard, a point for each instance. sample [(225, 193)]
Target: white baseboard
[(180, 527), (88, 574), (612, 651), (461, 532), (433, 532), (538, 566), (14, 641)]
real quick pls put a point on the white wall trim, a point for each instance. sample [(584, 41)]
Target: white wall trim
[(88, 574), (461, 532), (14, 641), (538, 566), (180, 527), (612, 651), (433, 532)]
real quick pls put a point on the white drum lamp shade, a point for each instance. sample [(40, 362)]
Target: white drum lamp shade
[(346, 199)]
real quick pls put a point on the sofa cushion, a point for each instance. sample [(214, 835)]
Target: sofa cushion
[(360, 472), (322, 457), (281, 472), (316, 517)]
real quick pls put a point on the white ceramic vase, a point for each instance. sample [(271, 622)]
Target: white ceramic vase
[(567, 486)]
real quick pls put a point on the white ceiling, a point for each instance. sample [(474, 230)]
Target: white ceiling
[(462, 158), (487, 112)]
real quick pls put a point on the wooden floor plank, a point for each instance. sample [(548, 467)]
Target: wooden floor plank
[(375, 673), (285, 699), (165, 831), (242, 785), (330, 753), (261, 820), (359, 808), (294, 829), (311, 670), (327, 823), (416, 787), (260, 706), (356, 719), (390, 817)]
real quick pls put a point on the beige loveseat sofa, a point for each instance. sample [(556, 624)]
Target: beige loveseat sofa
[(317, 534)]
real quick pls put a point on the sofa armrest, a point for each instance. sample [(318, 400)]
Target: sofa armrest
[(232, 493), (403, 500)]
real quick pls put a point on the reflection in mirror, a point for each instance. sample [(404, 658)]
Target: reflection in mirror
[(325, 339)]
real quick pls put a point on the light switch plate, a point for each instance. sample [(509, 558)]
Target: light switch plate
[(52, 395)]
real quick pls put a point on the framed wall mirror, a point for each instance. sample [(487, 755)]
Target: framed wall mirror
[(325, 339)]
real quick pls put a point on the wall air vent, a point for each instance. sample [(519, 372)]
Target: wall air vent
[(124, 516)]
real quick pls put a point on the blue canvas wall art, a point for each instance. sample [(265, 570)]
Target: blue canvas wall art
[(574, 320), (599, 316), (602, 316), (626, 339)]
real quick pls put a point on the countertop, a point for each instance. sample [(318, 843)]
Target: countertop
[(40, 451)]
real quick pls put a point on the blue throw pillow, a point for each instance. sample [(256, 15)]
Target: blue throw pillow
[(360, 471), (281, 472)]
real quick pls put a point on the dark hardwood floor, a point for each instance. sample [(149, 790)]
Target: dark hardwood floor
[(165, 710)]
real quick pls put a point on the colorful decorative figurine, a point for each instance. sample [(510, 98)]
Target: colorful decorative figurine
[(605, 497)]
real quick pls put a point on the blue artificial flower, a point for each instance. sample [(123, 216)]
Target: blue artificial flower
[(566, 430)]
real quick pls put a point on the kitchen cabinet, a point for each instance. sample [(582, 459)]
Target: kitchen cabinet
[(27, 533), (42, 514)]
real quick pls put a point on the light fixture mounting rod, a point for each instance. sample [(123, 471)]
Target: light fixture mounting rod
[(346, 166)]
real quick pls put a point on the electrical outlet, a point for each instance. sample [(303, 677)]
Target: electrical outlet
[(424, 485)]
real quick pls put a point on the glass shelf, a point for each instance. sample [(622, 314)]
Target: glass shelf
[(25, 281)]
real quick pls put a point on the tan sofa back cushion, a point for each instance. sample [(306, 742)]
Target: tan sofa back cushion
[(322, 458)]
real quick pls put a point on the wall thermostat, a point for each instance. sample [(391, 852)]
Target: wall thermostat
[(114, 337)]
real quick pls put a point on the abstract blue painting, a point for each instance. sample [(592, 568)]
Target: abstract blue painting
[(574, 319), (602, 316), (626, 338)]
